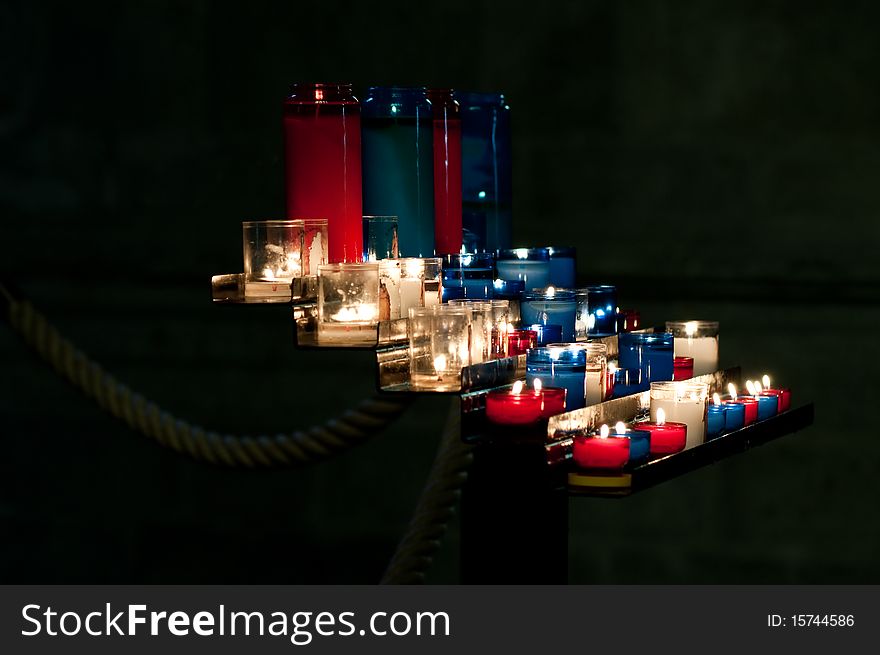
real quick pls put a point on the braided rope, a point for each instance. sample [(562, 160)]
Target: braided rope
[(435, 506), (301, 447)]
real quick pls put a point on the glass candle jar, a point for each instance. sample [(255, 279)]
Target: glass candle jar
[(563, 266), (697, 339), (550, 306), (468, 275), (600, 451), (596, 311), (682, 402), (322, 163), (446, 114), (380, 238), (643, 358), (389, 289), (531, 265), (348, 303), (272, 257), (667, 437), (559, 367), (547, 334), (519, 342), (398, 162), (734, 416), (486, 171), (596, 369), (412, 284), (315, 245), (515, 406), (439, 346), (481, 328)]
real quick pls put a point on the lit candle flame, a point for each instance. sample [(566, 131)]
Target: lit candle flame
[(766, 381), (550, 293), (518, 387), (758, 388), (521, 253), (690, 328), (750, 386), (604, 431), (537, 384), (620, 427), (716, 399), (731, 389), (440, 363), (413, 268), (661, 416), (612, 368)]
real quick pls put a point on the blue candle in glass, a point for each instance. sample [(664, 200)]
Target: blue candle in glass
[(767, 406), (559, 367), (397, 137), (547, 333), (734, 416), (597, 311), (550, 306), (642, 359), (563, 267), (639, 443), (531, 265), (714, 420), (472, 272)]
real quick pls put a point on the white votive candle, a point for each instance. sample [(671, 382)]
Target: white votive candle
[(683, 402)]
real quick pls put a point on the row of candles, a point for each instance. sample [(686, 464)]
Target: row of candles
[(680, 418)]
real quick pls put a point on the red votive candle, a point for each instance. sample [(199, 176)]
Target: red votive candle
[(596, 452), (520, 341), (751, 407), (666, 438), (682, 368), (554, 401), (783, 397), (515, 407), (628, 320)]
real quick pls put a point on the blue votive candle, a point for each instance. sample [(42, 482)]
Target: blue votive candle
[(597, 311), (734, 416), (639, 443), (473, 273), (559, 367), (550, 306), (715, 420), (767, 406), (643, 358), (531, 265), (547, 333), (563, 267)]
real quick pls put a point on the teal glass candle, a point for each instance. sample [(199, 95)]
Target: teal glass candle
[(398, 163)]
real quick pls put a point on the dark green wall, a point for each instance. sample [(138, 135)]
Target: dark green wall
[(715, 159)]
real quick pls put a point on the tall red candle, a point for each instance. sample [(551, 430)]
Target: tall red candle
[(322, 160), (447, 171)]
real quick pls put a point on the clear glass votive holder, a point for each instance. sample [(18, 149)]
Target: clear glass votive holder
[(683, 402), (596, 311), (562, 367), (550, 306), (439, 346), (380, 238), (484, 329), (389, 289), (510, 290), (272, 256), (697, 339), (348, 303), (643, 358), (531, 265), (468, 275), (314, 245), (563, 266), (596, 371)]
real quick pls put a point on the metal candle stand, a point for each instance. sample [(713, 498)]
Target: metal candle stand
[(515, 499)]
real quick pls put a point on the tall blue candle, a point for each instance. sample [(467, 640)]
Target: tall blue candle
[(563, 267), (398, 164), (550, 306), (531, 265), (559, 367), (643, 358)]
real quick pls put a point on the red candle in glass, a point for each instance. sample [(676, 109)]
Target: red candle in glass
[(520, 341), (554, 401), (598, 452), (682, 368), (666, 438), (514, 407), (322, 162), (447, 171), (751, 407), (628, 320)]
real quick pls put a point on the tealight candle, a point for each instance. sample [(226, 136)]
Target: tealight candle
[(515, 407), (547, 333), (550, 306), (682, 402), (531, 265), (768, 404), (348, 303), (784, 395), (596, 311), (697, 339), (439, 346), (666, 437), (520, 341), (682, 368), (562, 266), (601, 450), (559, 367)]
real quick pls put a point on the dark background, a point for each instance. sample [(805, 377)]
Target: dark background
[(716, 160)]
